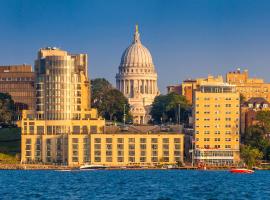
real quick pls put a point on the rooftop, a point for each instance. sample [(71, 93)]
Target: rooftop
[(128, 129)]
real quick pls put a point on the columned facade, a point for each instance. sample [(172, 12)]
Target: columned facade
[(137, 79)]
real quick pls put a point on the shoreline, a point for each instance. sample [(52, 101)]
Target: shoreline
[(60, 168)]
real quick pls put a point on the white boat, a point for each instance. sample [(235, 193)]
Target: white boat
[(92, 167)]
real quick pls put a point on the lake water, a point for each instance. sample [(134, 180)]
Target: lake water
[(134, 184)]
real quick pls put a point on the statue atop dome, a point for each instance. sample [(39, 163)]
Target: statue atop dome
[(136, 35)]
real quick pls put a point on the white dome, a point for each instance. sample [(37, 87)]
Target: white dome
[(136, 55), (137, 79)]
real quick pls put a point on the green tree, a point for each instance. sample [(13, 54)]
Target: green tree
[(6, 108), (250, 155), (166, 107), (264, 119), (113, 105), (256, 137), (99, 88), (109, 101)]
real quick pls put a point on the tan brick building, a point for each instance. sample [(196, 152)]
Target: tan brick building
[(18, 81), (248, 87)]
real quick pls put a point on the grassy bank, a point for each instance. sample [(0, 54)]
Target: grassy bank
[(10, 145)]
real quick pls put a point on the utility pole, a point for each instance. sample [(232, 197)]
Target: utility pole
[(124, 114), (179, 113), (192, 155)]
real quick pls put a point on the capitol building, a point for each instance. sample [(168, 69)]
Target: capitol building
[(137, 79)]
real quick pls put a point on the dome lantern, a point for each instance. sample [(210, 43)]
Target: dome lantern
[(136, 55)]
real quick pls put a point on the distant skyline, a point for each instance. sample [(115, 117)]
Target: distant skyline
[(187, 39)]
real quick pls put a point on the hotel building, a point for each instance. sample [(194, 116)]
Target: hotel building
[(216, 111), (58, 129), (18, 82)]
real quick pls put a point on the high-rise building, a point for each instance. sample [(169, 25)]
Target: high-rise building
[(137, 79), (58, 129), (216, 123), (18, 81), (248, 87), (62, 85)]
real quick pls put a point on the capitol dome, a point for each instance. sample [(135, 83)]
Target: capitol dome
[(137, 79), (136, 55)]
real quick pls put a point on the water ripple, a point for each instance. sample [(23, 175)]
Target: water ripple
[(134, 185)]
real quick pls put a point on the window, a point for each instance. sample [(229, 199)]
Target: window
[(108, 140), (76, 129), (49, 130), (154, 140), (84, 129), (177, 140), (131, 140), (93, 129), (40, 130), (97, 140), (165, 140), (120, 140), (97, 159), (31, 129), (28, 141), (143, 140), (143, 146)]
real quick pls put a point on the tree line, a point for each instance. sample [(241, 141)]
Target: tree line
[(255, 141), (111, 104)]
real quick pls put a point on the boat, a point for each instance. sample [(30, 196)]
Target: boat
[(63, 170), (92, 167), (241, 171)]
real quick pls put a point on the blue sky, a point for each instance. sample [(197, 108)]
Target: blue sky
[(187, 39)]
